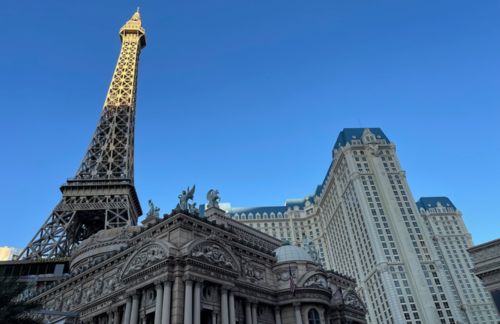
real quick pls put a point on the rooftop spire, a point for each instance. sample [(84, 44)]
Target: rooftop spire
[(134, 26)]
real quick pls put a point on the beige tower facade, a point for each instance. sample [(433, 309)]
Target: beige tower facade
[(451, 239), (366, 224), (375, 234)]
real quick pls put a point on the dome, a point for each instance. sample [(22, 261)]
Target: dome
[(289, 253), (101, 245)]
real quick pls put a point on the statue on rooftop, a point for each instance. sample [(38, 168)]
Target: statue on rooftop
[(154, 212), (213, 198), (184, 205)]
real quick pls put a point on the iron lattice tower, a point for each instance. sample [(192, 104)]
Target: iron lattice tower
[(102, 194)]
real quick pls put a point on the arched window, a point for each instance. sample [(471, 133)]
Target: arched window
[(313, 316)]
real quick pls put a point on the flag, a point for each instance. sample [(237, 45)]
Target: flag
[(291, 280)]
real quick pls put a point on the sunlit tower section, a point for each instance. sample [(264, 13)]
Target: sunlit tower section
[(375, 234), (102, 193)]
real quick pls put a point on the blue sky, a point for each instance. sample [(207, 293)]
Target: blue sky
[(249, 97)]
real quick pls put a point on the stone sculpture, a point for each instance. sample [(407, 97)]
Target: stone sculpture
[(154, 212), (184, 205), (213, 198)]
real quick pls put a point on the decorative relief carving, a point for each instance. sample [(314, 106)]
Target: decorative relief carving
[(146, 257), (68, 303), (88, 295), (285, 275), (77, 296), (352, 300), (98, 287), (316, 280), (214, 254), (58, 304), (111, 283), (251, 271)]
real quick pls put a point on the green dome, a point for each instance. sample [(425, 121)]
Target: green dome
[(289, 253)]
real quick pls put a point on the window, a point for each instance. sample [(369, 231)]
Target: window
[(313, 316)]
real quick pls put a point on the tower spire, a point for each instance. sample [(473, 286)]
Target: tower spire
[(102, 193)]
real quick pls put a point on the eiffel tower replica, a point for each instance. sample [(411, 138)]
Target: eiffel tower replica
[(102, 193)]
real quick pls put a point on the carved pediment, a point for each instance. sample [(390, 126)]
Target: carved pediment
[(316, 281), (213, 253), (351, 299), (145, 257)]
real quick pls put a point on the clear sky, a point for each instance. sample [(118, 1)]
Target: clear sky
[(249, 96)]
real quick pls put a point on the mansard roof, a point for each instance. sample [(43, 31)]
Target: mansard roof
[(433, 202), (348, 134), (290, 203), (261, 210)]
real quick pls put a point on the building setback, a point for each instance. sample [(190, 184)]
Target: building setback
[(486, 258), (364, 222)]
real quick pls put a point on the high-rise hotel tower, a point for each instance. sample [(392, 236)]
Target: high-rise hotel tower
[(364, 222), (452, 241), (374, 233)]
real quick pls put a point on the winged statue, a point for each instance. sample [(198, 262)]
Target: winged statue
[(213, 198), (184, 197)]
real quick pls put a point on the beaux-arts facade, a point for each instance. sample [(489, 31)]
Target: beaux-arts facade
[(186, 269)]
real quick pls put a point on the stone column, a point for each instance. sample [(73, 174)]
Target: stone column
[(248, 313), (159, 302), (134, 316), (254, 313), (277, 315), (165, 312), (116, 318), (110, 317), (232, 315), (188, 302), (214, 318), (126, 315), (298, 314), (177, 310), (197, 303), (224, 306)]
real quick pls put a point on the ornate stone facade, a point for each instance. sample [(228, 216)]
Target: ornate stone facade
[(486, 259), (186, 269)]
